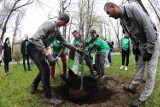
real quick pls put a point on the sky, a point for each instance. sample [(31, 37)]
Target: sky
[(36, 15)]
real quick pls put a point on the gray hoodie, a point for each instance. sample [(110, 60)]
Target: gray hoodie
[(40, 38), (139, 26)]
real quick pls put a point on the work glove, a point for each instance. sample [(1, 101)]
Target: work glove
[(80, 51), (56, 59), (147, 56), (136, 52), (50, 59)]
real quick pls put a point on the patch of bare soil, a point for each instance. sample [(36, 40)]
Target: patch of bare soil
[(108, 91)]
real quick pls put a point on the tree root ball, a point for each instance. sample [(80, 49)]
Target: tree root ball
[(80, 95)]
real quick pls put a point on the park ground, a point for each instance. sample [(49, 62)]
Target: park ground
[(14, 88)]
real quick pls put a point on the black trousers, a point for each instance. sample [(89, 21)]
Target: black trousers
[(44, 71), (125, 57), (26, 57), (6, 67)]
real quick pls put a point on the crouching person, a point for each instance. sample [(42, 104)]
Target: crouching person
[(100, 46), (38, 52)]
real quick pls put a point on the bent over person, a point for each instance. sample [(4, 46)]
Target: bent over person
[(38, 52), (141, 31)]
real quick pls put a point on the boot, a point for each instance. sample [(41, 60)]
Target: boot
[(34, 89), (53, 101)]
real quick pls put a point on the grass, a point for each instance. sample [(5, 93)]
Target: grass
[(14, 88)]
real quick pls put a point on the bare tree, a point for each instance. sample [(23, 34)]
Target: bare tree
[(116, 31), (89, 14), (16, 28), (155, 6), (14, 7), (64, 4)]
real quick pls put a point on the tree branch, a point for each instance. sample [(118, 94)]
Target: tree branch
[(29, 2)]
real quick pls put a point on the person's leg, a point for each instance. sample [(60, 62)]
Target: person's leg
[(52, 69), (151, 68), (123, 59), (64, 63), (101, 62), (5, 68), (109, 56), (106, 59), (89, 63), (0, 62), (28, 63), (97, 64), (24, 65), (43, 67), (127, 57)]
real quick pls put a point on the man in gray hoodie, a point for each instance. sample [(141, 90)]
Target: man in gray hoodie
[(37, 50), (145, 41)]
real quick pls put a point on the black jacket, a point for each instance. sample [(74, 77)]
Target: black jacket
[(24, 47), (7, 53)]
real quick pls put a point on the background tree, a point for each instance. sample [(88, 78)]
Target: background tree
[(12, 7)]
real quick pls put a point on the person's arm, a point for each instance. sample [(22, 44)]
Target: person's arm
[(140, 17), (67, 44), (41, 33), (93, 48)]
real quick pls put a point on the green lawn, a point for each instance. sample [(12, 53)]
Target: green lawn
[(14, 88)]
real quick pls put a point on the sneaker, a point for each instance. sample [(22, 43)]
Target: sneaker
[(122, 67), (106, 66), (104, 76), (5, 74), (136, 103), (125, 68), (53, 101), (127, 88)]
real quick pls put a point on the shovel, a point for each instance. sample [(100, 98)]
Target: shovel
[(62, 76)]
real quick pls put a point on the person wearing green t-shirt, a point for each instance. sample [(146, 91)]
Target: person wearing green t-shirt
[(125, 44), (58, 51), (74, 57), (100, 46)]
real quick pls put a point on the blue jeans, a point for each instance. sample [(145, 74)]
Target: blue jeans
[(26, 57), (44, 71), (89, 63)]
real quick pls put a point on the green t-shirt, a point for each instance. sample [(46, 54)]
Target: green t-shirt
[(78, 41), (57, 46), (125, 43), (102, 45)]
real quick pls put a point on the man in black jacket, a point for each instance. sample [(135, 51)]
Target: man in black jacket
[(24, 52)]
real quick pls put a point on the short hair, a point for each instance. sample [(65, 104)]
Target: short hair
[(108, 4), (75, 31), (64, 17), (93, 31)]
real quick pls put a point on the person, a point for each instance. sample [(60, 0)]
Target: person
[(1, 48), (24, 52), (58, 51), (37, 50), (125, 46), (111, 48), (100, 47), (7, 55), (141, 30), (75, 59)]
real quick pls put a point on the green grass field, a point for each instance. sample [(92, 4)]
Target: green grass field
[(14, 88)]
